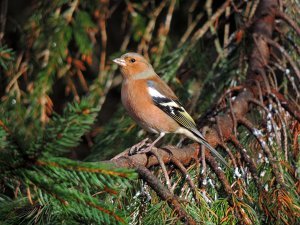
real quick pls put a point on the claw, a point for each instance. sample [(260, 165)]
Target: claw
[(138, 147)]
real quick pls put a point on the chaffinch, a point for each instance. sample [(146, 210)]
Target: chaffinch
[(152, 103)]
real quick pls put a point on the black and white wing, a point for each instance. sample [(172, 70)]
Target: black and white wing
[(171, 106), (164, 98)]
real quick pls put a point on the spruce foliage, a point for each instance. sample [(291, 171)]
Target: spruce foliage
[(40, 184)]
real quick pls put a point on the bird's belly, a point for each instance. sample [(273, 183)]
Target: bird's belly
[(152, 119)]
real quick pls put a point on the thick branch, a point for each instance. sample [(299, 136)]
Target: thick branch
[(185, 155)]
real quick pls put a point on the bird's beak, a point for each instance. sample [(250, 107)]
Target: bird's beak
[(120, 61)]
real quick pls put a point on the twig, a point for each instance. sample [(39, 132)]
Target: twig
[(191, 10), (286, 105), (102, 25), (229, 91), (223, 145), (287, 19), (144, 44), (259, 137), (251, 8), (272, 79), (285, 53), (285, 139), (164, 193), (83, 82), (268, 117), (220, 133), (200, 32), (290, 78), (259, 93), (233, 117), (283, 124), (203, 172), (190, 28), (165, 31), (126, 41), (292, 42), (250, 163), (163, 167), (72, 86), (219, 172), (68, 14), (14, 80), (226, 31), (3, 19), (186, 175), (213, 28)]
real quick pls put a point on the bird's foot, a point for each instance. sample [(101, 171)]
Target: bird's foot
[(148, 146), (146, 149), (140, 147)]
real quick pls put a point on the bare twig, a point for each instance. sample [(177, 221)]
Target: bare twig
[(287, 19), (126, 41), (233, 117), (223, 145), (165, 31), (23, 68), (285, 53), (250, 163), (186, 175), (268, 117), (102, 25), (259, 137), (164, 193), (219, 172), (290, 78), (286, 105), (190, 29), (82, 81), (3, 19), (163, 167), (68, 14), (226, 31), (200, 32), (203, 172), (144, 44)]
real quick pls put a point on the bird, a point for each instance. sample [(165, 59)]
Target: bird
[(153, 104)]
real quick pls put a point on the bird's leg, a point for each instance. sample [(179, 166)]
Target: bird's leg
[(148, 149)]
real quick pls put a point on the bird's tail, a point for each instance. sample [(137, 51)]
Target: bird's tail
[(201, 140)]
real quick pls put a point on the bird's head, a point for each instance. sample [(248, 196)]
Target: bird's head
[(134, 66)]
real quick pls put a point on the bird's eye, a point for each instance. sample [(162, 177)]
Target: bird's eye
[(132, 60)]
